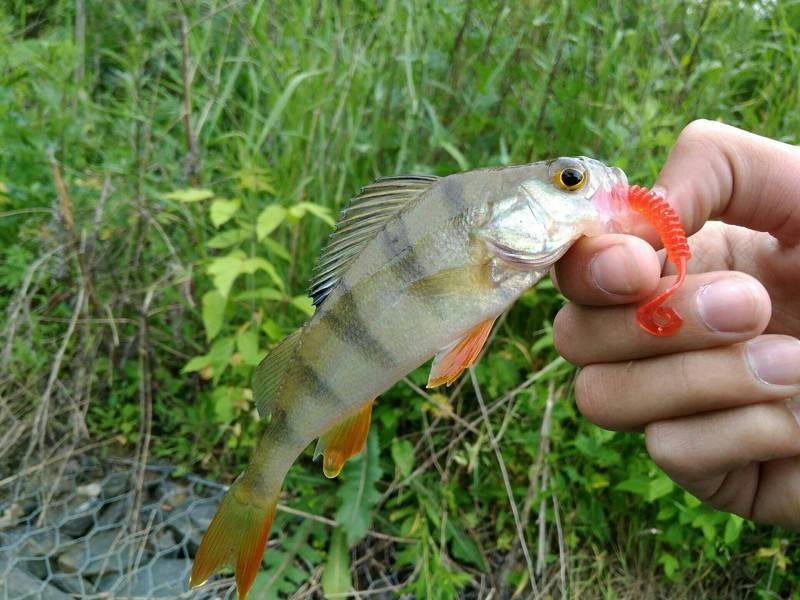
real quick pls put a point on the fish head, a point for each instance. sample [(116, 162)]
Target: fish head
[(553, 204)]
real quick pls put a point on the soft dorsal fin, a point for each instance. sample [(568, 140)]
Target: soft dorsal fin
[(270, 372), (364, 217)]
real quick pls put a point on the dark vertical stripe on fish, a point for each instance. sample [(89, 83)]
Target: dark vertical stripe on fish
[(285, 432), (355, 331), (315, 385), (453, 192), (402, 255)]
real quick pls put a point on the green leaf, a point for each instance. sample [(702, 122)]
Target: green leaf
[(269, 219), (403, 456), (222, 211), (255, 179), (198, 363), (277, 249), (224, 399), (247, 343), (304, 304), (251, 265), (669, 563), (298, 211), (228, 238), (635, 485), (190, 195), (220, 354), (659, 487), (336, 576), (357, 495), (224, 271), (213, 312), (733, 528), (463, 546), (262, 293), (273, 330)]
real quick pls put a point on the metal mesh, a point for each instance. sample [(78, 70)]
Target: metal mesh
[(117, 530)]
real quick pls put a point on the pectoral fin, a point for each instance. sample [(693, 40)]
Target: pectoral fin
[(450, 361), (344, 441)]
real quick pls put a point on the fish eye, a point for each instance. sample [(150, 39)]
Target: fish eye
[(570, 179)]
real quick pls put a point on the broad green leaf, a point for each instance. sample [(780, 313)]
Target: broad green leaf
[(228, 238), (224, 271), (403, 456), (213, 312), (357, 495), (197, 363), (251, 265), (336, 576), (273, 330), (262, 293), (635, 485), (190, 195), (225, 399), (304, 304), (277, 249), (660, 486), (298, 211), (222, 211), (733, 528), (220, 354), (269, 219), (463, 546), (669, 563), (255, 179), (247, 343)]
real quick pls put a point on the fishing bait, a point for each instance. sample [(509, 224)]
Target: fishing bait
[(418, 267)]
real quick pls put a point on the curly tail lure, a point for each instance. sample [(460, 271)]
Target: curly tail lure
[(652, 315)]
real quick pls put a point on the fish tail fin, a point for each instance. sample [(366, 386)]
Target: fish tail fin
[(236, 537)]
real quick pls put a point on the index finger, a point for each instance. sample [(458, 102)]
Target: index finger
[(718, 171)]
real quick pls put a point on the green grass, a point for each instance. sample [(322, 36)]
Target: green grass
[(301, 102)]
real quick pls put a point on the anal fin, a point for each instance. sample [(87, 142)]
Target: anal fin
[(343, 441), (451, 360)]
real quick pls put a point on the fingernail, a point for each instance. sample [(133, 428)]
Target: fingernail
[(775, 359), (728, 305), (615, 271), (794, 407)]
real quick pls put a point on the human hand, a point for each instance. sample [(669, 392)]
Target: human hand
[(715, 400)]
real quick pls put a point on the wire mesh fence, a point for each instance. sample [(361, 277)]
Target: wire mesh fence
[(104, 530)]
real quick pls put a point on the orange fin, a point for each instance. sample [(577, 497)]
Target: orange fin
[(343, 441), (450, 361), (235, 538)]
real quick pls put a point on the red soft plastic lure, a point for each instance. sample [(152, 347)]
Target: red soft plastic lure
[(651, 315)]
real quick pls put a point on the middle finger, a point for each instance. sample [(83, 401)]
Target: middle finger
[(718, 308)]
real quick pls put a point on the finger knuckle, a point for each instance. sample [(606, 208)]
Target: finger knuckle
[(589, 395), (670, 450), (564, 335)]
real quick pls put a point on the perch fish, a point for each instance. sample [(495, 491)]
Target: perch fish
[(418, 267)]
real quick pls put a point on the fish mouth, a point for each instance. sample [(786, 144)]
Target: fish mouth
[(611, 201)]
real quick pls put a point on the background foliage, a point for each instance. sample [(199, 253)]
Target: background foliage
[(168, 172)]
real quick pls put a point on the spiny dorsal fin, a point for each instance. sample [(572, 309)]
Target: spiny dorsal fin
[(270, 372), (364, 217)]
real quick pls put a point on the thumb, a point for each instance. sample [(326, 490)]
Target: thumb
[(718, 171)]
